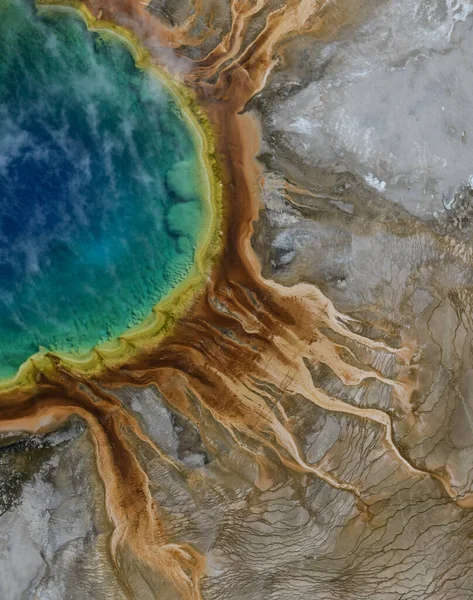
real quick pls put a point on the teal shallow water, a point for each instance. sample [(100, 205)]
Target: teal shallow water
[(99, 211)]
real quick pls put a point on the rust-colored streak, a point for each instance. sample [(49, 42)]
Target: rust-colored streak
[(231, 42), (130, 507), (275, 330)]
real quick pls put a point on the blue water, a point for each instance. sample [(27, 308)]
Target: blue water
[(98, 214)]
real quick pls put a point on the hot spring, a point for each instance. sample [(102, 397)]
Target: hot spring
[(101, 210)]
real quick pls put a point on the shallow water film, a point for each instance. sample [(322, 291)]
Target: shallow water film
[(99, 205), (294, 420)]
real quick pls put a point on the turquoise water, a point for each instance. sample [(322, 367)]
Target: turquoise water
[(98, 214)]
